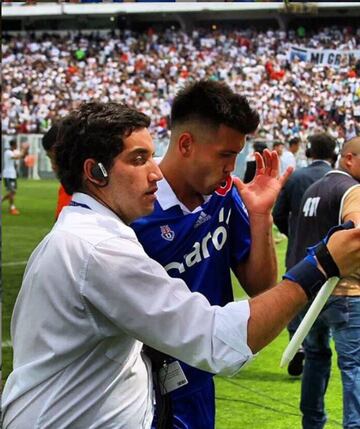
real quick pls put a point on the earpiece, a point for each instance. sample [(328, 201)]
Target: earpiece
[(99, 172)]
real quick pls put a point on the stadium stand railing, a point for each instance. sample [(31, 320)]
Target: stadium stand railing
[(37, 165)]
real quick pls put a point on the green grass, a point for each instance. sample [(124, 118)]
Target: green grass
[(20, 234), (261, 396)]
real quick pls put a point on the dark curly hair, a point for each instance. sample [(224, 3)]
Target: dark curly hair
[(215, 104), (95, 130), (49, 138)]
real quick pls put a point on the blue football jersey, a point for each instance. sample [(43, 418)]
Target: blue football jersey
[(199, 247)]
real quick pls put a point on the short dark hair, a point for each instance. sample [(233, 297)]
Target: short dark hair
[(216, 104), (322, 146), (12, 143), (259, 146), (293, 141), (49, 138), (95, 130), (277, 143)]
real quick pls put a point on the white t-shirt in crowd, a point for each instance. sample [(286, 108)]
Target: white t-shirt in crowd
[(287, 159), (9, 168)]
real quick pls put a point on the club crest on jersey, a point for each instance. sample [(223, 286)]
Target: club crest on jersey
[(167, 233), (225, 188)]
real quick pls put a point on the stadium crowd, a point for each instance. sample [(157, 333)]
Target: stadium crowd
[(47, 75)]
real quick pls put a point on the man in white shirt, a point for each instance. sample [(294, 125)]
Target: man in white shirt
[(9, 174), (91, 296), (288, 158), (278, 147)]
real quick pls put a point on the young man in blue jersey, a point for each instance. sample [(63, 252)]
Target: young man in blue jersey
[(203, 226)]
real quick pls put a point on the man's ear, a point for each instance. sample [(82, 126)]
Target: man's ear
[(88, 169), (347, 160), (185, 144)]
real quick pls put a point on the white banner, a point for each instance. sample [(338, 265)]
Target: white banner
[(325, 57)]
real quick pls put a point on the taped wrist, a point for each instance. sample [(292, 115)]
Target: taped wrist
[(307, 275)]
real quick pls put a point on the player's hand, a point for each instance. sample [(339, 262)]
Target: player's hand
[(344, 247), (260, 194)]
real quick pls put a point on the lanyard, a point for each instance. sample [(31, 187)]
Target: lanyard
[(75, 204)]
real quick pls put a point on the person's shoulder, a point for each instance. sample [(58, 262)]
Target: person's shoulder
[(287, 155), (297, 178), (301, 172), (342, 178), (93, 228), (294, 178)]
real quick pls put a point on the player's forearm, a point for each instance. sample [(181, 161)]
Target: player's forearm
[(271, 311), (259, 272)]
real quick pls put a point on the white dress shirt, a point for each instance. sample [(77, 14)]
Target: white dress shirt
[(89, 300)]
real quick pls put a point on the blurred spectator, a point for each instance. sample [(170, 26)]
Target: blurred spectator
[(278, 147), (259, 146), (9, 173), (288, 158)]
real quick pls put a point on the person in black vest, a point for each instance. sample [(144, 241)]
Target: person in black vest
[(286, 210), (331, 200)]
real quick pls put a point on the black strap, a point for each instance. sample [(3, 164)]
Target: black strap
[(326, 260), (164, 412)]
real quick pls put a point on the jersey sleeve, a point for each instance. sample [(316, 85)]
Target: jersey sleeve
[(240, 239)]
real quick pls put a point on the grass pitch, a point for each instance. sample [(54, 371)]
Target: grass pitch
[(261, 396)]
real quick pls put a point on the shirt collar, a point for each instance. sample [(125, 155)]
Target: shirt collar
[(318, 161), (166, 198), (94, 205)]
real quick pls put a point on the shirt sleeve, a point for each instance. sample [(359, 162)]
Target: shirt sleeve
[(351, 202), (136, 294)]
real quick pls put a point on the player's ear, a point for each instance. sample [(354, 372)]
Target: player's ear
[(185, 144)]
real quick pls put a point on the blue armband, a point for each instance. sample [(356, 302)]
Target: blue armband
[(306, 273)]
